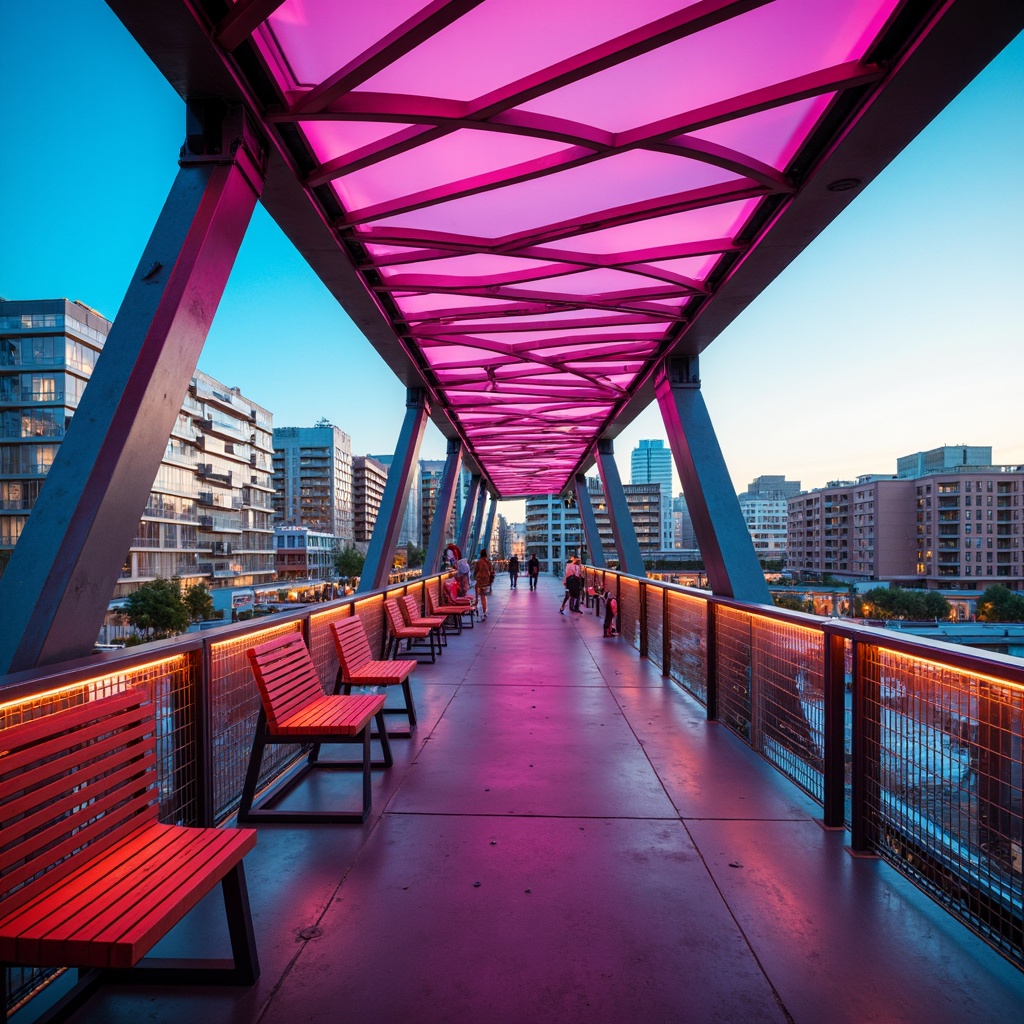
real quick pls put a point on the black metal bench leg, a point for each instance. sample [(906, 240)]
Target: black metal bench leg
[(240, 929), (252, 772)]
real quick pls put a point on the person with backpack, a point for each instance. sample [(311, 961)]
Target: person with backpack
[(533, 570), (483, 577)]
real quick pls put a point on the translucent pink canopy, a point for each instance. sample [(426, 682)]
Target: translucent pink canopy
[(541, 194)]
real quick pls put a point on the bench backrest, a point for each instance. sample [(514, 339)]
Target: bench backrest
[(410, 609), (83, 777), (351, 644), (394, 614), (285, 675)]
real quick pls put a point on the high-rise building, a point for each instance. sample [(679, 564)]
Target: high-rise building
[(209, 514), (553, 531), (48, 349), (369, 478), (645, 503), (764, 509), (219, 456), (313, 479), (651, 463)]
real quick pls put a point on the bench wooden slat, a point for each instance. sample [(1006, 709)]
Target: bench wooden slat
[(108, 806), (329, 715)]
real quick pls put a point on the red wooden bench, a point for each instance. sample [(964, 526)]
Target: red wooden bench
[(399, 631), (89, 877), (294, 709), (414, 617), (455, 612), (357, 667)]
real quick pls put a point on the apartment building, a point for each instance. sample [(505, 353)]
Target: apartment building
[(313, 479)]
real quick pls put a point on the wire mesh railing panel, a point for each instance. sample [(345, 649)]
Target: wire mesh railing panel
[(234, 709), (686, 635), (321, 643), (629, 610), (654, 597), (733, 669), (788, 705), (943, 801)]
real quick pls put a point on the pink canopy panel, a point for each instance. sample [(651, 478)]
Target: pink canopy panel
[(542, 195)]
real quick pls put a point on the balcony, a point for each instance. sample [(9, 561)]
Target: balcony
[(577, 793), (206, 472)]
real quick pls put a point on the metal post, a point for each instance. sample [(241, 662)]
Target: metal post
[(630, 559), (396, 493), (444, 499), (478, 521), (711, 661), (485, 540), (722, 535), (65, 567), (466, 525), (666, 634), (864, 782), (644, 624), (589, 520), (834, 752)]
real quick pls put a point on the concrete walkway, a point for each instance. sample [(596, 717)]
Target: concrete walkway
[(567, 839)]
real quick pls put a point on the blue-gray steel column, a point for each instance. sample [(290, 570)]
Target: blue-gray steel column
[(65, 567), (443, 501), (466, 524), (478, 521), (485, 540), (623, 531), (722, 535), (589, 520), (380, 553)]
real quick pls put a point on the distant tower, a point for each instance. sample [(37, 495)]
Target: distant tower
[(651, 463)]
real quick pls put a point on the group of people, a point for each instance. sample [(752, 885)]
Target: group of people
[(532, 571), (482, 575)]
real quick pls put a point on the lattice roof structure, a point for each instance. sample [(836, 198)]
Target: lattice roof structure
[(527, 206)]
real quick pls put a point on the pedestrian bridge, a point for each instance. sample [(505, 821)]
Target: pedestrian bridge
[(569, 837)]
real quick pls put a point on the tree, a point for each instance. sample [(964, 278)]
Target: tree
[(414, 556), (198, 602), (157, 609), (349, 561), (1000, 604), (897, 603)]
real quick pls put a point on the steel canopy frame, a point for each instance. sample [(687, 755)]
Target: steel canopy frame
[(527, 207)]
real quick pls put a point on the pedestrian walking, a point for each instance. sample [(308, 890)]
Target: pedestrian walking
[(533, 570), (483, 576), (513, 572)]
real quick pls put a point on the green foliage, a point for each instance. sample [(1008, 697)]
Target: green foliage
[(198, 602), (156, 609), (790, 601), (897, 603), (414, 556), (349, 561), (1000, 604)]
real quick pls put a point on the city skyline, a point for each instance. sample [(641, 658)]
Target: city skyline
[(913, 293)]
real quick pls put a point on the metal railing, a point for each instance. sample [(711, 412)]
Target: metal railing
[(914, 745)]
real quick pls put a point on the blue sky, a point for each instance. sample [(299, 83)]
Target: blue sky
[(899, 329)]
